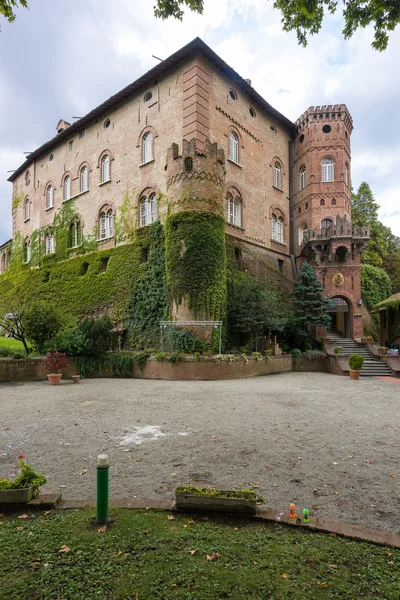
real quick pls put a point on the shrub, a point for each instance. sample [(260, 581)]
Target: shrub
[(313, 354), (72, 342), (41, 322), (55, 361), (5, 351), (27, 478), (295, 352), (337, 350), (356, 362), (98, 335)]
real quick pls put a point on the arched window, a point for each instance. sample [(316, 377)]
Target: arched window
[(27, 250), (75, 234), (277, 229), (49, 241), (322, 202), (327, 170), (148, 210), (233, 147), (326, 223), (67, 187), (147, 147), (27, 209), (106, 224), (49, 196), (188, 164), (302, 178), (84, 179), (346, 174), (277, 175), (233, 206), (105, 168), (333, 201)]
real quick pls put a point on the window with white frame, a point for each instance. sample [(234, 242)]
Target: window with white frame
[(84, 179), (147, 147), (302, 232), (148, 210), (49, 240), (277, 175), (27, 209), (75, 234), (49, 197), (233, 208), (234, 147), (27, 250), (105, 168), (106, 224), (346, 174), (302, 178), (327, 167), (67, 187), (277, 229)]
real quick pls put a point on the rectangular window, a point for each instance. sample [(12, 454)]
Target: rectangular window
[(82, 134), (71, 145), (280, 265)]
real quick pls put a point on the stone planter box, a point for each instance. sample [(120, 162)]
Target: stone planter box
[(217, 504), (16, 496)]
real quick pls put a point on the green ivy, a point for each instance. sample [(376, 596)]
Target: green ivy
[(196, 262), (375, 285), (393, 324)]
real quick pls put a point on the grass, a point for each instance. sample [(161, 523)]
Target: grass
[(147, 555), (11, 343)]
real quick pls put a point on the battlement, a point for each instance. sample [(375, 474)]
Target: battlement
[(325, 113), (343, 228)]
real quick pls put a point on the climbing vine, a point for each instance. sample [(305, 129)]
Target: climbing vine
[(196, 262)]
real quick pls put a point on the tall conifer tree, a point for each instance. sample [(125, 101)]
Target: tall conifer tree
[(310, 306)]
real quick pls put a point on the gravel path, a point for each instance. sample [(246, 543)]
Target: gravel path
[(316, 439)]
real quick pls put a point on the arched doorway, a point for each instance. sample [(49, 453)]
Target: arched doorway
[(340, 313)]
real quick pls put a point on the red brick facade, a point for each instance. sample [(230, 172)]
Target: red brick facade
[(216, 144)]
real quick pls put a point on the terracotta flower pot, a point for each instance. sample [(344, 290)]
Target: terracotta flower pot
[(54, 378), (354, 374), (75, 378)]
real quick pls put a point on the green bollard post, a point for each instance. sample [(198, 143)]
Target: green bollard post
[(103, 466)]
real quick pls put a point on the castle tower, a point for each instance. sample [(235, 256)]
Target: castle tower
[(324, 235), (195, 233)]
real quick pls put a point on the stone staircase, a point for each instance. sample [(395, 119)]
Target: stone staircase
[(372, 367)]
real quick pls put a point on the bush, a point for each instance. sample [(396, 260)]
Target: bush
[(337, 350), (5, 351), (41, 322), (27, 478), (98, 335), (313, 354), (356, 362), (55, 362), (72, 342)]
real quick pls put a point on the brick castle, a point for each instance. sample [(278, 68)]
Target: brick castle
[(192, 128)]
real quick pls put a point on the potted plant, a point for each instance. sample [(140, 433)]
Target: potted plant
[(356, 362), (337, 350), (55, 362), (382, 350), (23, 488), (366, 339), (190, 497)]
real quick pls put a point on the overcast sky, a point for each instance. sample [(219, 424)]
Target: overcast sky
[(61, 59)]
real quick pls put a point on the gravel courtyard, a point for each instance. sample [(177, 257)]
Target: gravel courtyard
[(318, 440)]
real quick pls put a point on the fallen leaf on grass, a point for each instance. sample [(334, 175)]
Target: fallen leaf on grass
[(102, 529), (170, 518), (192, 552), (1, 522), (36, 563), (284, 575), (192, 522), (212, 556), (24, 516), (393, 476), (322, 584), (333, 566), (47, 512), (119, 553), (64, 548)]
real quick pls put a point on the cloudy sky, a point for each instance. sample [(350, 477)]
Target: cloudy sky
[(61, 59)]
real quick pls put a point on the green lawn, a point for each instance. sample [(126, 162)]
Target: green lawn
[(145, 555), (11, 343)]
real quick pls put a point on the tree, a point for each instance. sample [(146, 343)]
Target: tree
[(305, 16), (375, 285), (7, 8), (41, 322), (364, 208), (310, 306), (12, 324)]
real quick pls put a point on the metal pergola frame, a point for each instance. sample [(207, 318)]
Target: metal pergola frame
[(215, 324)]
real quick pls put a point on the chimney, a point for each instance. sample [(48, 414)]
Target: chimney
[(62, 125)]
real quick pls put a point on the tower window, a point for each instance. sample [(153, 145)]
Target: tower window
[(326, 223), (346, 174), (327, 167), (233, 94), (301, 138), (326, 128), (333, 201), (302, 178), (252, 112), (188, 164), (233, 207), (322, 202)]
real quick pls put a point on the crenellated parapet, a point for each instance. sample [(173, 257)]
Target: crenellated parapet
[(196, 178), (325, 114)]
